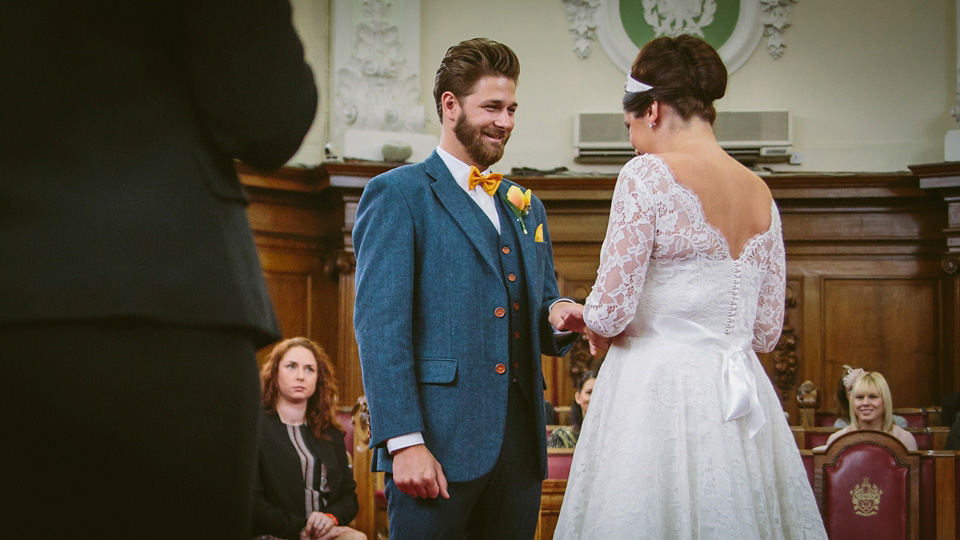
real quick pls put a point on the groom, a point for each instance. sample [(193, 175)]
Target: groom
[(455, 301)]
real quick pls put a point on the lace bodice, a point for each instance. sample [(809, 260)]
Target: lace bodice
[(661, 256)]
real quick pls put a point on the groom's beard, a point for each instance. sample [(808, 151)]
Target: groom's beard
[(484, 153)]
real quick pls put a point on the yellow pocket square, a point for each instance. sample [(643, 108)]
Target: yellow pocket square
[(538, 236)]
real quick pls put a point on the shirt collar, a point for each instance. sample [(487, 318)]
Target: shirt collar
[(459, 170)]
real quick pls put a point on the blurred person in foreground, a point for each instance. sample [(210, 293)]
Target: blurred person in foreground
[(132, 300)]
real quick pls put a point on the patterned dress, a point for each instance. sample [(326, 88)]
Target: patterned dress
[(685, 437)]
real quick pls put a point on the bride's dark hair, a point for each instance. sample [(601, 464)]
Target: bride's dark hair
[(685, 73)]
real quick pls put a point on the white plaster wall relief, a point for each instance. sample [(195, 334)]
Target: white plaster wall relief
[(584, 29), (675, 17), (776, 17), (376, 87)]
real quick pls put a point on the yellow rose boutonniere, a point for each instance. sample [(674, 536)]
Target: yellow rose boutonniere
[(538, 234), (519, 203)]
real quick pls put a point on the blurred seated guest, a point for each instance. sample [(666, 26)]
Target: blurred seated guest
[(844, 385), (871, 408), (549, 413), (953, 438), (566, 436), (305, 488), (950, 418), (948, 411)]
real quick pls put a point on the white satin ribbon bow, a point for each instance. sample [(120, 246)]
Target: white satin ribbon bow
[(738, 388)]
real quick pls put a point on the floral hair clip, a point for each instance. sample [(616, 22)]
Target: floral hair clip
[(851, 376)]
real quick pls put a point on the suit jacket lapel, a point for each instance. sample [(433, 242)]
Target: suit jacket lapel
[(457, 202)]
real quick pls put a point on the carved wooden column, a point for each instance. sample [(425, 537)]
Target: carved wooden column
[(943, 180)]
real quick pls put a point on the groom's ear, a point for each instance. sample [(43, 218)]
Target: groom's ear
[(450, 106)]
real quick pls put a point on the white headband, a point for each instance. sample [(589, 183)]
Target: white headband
[(632, 86)]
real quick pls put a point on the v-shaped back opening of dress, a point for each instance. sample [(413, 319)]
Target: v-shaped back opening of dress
[(723, 240)]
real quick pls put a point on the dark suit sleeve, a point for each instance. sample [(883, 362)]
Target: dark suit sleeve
[(343, 503), (383, 239), (254, 90), (551, 344)]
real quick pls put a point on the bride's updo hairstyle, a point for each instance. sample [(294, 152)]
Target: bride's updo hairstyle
[(685, 73)]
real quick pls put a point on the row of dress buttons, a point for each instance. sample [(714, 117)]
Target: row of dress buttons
[(500, 312), (506, 251)]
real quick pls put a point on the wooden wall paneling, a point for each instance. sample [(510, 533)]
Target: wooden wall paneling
[(886, 325), (869, 267), (302, 219), (849, 238), (942, 180)]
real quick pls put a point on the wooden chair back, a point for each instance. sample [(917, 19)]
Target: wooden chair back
[(867, 486)]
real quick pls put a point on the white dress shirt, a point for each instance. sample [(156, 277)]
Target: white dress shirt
[(461, 173)]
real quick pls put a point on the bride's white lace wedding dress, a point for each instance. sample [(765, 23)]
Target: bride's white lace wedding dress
[(656, 456)]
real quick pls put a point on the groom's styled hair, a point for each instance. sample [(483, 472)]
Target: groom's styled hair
[(465, 63)]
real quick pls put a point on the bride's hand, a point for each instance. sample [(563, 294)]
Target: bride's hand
[(597, 342)]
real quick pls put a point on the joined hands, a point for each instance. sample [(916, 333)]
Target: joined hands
[(569, 316)]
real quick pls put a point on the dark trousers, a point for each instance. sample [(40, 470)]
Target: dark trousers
[(501, 505), (126, 430)]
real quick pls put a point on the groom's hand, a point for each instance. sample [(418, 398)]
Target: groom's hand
[(567, 316), (418, 474)]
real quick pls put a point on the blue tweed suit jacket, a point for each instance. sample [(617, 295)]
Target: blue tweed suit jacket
[(428, 289)]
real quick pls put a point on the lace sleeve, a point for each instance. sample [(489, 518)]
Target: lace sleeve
[(626, 250), (770, 305)]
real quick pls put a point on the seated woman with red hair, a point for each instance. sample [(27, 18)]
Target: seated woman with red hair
[(305, 488)]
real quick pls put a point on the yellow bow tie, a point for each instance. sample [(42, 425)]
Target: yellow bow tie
[(490, 182)]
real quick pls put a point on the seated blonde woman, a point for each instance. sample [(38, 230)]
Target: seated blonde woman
[(871, 408), (844, 385)]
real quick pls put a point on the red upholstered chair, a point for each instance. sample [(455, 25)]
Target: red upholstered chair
[(867, 486), (814, 437), (824, 419), (554, 487), (558, 462), (923, 437), (928, 497)]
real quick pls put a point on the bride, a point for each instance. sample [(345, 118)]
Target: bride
[(685, 437)]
